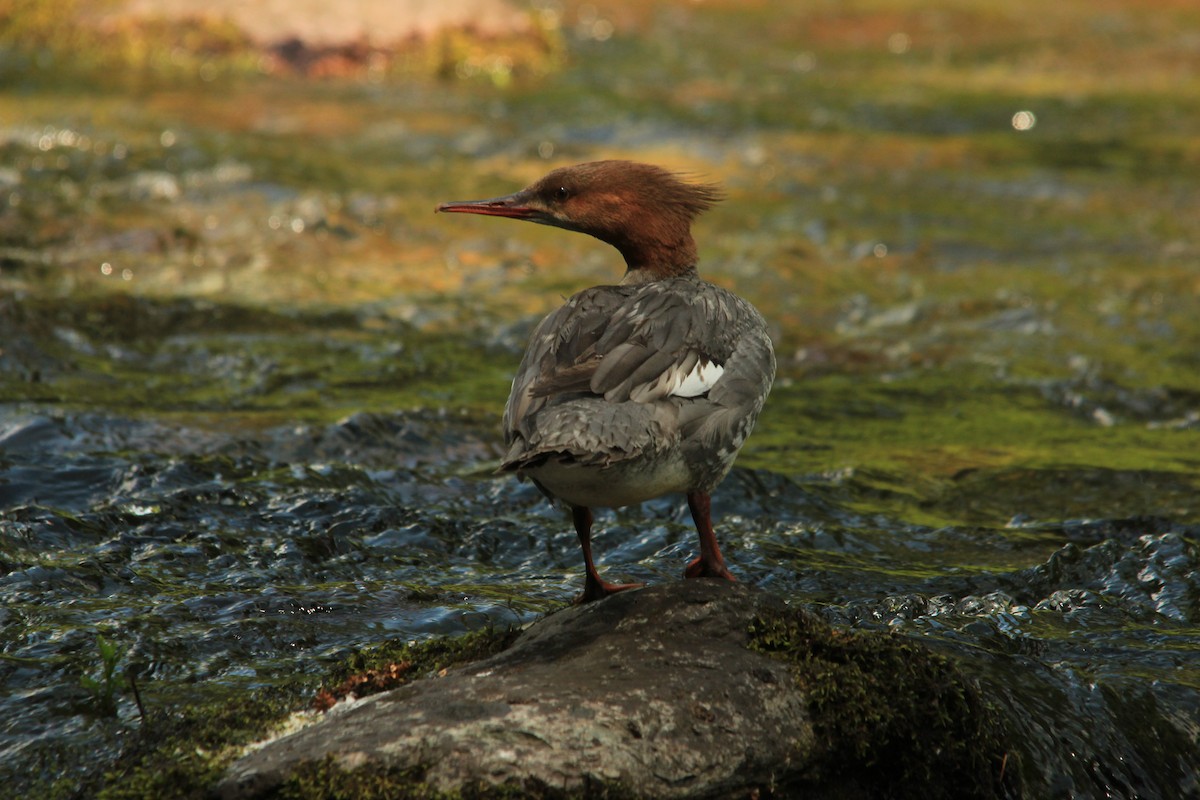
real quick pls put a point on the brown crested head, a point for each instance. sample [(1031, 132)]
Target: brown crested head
[(644, 211)]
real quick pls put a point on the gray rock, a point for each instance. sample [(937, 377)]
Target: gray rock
[(651, 692), (702, 689)]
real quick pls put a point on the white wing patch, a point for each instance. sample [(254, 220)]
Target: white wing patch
[(697, 382)]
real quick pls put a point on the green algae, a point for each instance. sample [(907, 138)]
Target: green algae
[(890, 717), (184, 356), (937, 450)]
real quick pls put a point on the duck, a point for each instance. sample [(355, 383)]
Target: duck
[(642, 388)]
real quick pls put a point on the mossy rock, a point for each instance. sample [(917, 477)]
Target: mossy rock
[(700, 689), (892, 717)]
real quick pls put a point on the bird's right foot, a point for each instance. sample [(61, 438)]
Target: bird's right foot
[(699, 568)]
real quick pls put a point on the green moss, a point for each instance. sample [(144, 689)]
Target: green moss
[(890, 716), (181, 753), (326, 780)]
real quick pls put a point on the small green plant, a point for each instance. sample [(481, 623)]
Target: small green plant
[(103, 690)]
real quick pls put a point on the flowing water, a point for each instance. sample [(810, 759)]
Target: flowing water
[(250, 384)]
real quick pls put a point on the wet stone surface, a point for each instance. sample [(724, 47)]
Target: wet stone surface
[(653, 693)]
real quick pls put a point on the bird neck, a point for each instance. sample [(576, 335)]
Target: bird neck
[(657, 258)]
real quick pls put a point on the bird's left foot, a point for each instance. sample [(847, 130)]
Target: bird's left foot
[(704, 569), (597, 589)]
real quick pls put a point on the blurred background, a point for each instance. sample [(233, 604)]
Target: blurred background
[(250, 384)]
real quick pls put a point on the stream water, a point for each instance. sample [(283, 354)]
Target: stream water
[(250, 385)]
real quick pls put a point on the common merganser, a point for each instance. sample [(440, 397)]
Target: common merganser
[(633, 391)]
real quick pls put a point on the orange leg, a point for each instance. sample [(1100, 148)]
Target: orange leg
[(710, 564), (594, 587)]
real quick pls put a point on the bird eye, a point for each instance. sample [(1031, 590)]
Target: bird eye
[(562, 193)]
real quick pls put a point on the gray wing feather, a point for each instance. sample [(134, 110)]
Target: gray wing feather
[(630, 345)]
